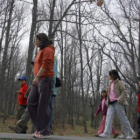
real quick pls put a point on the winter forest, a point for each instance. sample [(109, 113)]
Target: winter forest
[(89, 41)]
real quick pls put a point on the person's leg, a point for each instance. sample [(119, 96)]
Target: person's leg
[(32, 104), (43, 114), (102, 125), (24, 121), (20, 112), (126, 127), (108, 123), (21, 125), (114, 131)]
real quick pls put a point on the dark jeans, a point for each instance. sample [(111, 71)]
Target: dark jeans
[(38, 105)]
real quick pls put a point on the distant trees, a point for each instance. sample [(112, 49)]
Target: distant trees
[(11, 33), (89, 41)]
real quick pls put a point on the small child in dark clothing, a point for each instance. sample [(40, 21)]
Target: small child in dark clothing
[(103, 108)]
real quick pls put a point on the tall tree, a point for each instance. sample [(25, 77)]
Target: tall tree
[(31, 40)]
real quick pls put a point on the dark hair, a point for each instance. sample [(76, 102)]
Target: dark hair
[(114, 74), (44, 40), (103, 91)]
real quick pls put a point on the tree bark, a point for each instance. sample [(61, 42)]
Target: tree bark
[(31, 41)]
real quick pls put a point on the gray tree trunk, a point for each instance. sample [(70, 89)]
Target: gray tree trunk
[(4, 60), (31, 41)]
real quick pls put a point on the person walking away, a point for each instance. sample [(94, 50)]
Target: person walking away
[(39, 96), (103, 108), (116, 100)]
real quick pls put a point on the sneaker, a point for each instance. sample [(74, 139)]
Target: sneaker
[(116, 135), (104, 136), (16, 128), (96, 135), (122, 136), (130, 136), (37, 135)]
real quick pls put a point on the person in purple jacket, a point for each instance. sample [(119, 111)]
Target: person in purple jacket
[(103, 108)]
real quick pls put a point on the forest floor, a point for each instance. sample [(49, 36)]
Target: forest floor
[(67, 131)]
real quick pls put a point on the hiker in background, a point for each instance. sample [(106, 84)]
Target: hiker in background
[(40, 94), (116, 100), (103, 108), (21, 125), (22, 101), (54, 90)]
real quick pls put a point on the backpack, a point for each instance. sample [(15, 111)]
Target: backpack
[(58, 82)]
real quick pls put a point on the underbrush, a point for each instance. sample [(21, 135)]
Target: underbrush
[(67, 131)]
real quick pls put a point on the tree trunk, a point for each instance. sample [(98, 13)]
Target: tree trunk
[(31, 41), (51, 19), (4, 60), (81, 65)]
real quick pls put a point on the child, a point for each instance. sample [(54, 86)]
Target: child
[(117, 101), (102, 107)]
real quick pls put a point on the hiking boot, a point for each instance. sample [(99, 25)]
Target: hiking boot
[(24, 129), (22, 132), (16, 128)]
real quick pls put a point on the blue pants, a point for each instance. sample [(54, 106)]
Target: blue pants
[(51, 111)]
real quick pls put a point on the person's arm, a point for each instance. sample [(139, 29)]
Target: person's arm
[(41, 71), (123, 94), (98, 110), (23, 90)]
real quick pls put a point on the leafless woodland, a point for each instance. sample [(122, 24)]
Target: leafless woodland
[(89, 41)]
